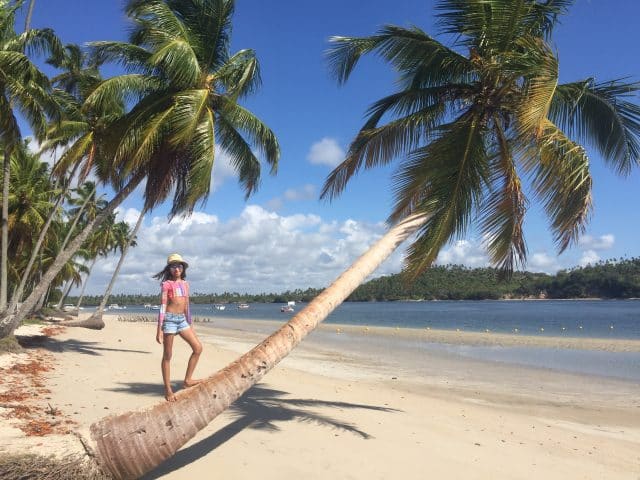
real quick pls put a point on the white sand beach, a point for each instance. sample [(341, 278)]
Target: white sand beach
[(328, 412)]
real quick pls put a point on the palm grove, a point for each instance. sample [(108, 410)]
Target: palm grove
[(475, 130)]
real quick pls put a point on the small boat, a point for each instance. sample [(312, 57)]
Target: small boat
[(155, 307), (286, 309), (115, 306), (147, 305), (219, 306), (243, 306)]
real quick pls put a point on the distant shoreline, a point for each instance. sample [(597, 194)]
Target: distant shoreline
[(587, 299)]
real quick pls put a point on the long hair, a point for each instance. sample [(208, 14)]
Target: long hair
[(165, 274)]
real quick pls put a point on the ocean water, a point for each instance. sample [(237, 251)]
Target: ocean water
[(606, 319), (574, 318)]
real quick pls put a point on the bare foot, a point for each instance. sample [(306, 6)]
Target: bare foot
[(170, 396), (191, 383)]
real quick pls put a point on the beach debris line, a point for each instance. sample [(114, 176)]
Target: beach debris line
[(22, 391)]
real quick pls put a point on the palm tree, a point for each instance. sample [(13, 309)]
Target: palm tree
[(466, 123), (77, 79), (124, 240), (464, 127), (24, 87), (100, 244), (187, 90)]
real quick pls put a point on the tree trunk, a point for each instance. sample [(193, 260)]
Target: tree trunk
[(65, 292), (76, 219), (84, 284), (91, 323), (4, 240), (97, 316), (27, 22), (133, 443), (10, 321)]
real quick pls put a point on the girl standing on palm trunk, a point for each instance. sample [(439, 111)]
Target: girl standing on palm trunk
[(175, 319)]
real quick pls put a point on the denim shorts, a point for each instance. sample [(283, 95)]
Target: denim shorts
[(174, 323)]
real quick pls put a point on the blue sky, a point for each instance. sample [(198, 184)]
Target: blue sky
[(284, 237)]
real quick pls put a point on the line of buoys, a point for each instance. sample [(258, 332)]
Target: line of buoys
[(154, 319)]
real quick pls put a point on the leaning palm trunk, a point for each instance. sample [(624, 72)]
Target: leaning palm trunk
[(9, 321), (64, 295), (90, 323), (128, 445), (97, 316), (4, 231), (84, 284)]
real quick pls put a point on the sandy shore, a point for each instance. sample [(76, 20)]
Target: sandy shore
[(327, 412)]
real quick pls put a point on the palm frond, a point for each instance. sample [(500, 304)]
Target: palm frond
[(202, 152), (410, 51), (502, 215), (242, 157), (189, 107), (157, 22), (132, 57), (258, 133), (240, 75), (74, 154), (147, 127), (539, 87), (562, 182), (494, 25), (600, 114), (373, 147), (178, 62), (209, 25), (444, 181), (124, 88)]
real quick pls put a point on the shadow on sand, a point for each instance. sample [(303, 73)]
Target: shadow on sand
[(260, 408), (70, 345)]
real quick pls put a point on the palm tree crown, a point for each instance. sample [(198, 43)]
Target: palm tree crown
[(471, 124), (187, 84)]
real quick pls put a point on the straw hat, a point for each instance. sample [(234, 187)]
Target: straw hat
[(176, 258)]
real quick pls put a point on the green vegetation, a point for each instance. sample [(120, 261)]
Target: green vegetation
[(607, 279)]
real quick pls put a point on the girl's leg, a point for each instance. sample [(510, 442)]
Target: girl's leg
[(192, 339), (167, 344)]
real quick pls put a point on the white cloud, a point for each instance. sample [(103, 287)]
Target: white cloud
[(589, 257), (129, 215), (464, 252), (603, 242), (543, 262), (258, 251), (304, 193), (326, 152)]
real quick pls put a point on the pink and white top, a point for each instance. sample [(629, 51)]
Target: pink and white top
[(171, 289)]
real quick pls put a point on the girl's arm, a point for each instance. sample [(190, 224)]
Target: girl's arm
[(187, 311), (163, 303)]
